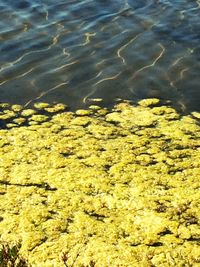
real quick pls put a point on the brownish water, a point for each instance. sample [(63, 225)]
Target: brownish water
[(74, 51)]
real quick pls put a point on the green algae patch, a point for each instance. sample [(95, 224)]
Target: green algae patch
[(16, 108), (149, 102), (94, 107), (101, 188), (56, 108), (41, 105), (82, 112), (39, 118), (28, 112)]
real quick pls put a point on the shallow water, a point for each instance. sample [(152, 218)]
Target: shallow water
[(75, 51)]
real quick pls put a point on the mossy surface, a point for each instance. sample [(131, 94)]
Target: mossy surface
[(101, 188)]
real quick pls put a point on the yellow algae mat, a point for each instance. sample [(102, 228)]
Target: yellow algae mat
[(101, 188)]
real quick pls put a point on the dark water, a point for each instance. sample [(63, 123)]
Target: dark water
[(72, 51)]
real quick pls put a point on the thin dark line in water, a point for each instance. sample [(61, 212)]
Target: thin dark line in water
[(100, 62), (11, 64), (45, 93), (66, 53), (124, 46), (149, 65), (108, 78), (177, 61), (191, 9), (172, 83), (100, 81), (55, 40), (93, 91), (65, 65), (181, 74), (19, 76)]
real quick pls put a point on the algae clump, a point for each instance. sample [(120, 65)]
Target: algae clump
[(109, 188)]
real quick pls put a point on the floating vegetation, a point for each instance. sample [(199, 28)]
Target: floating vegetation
[(101, 188)]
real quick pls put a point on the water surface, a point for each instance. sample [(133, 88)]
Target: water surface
[(75, 51)]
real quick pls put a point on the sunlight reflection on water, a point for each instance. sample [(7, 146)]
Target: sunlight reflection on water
[(73, 51)]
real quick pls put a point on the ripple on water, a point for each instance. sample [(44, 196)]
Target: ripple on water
[(126, 49)]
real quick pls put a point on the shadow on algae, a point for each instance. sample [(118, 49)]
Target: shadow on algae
[(9, 256), (99, 187)]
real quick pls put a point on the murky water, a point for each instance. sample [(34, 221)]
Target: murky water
[(73, 51)]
